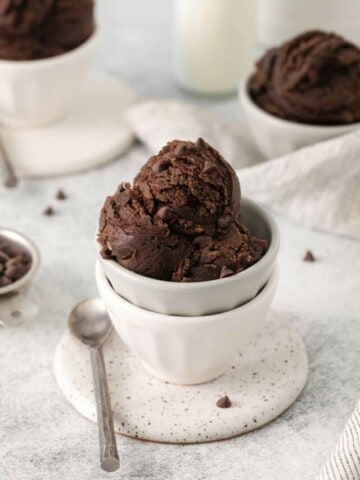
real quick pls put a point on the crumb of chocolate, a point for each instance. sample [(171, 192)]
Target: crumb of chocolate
[(224, 402), (224, 221), (49, 211), (309, 257), (61, 195)]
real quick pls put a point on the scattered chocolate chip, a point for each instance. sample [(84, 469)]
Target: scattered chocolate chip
[(49, 211), (166, 214), (224, 221), (208, 167), (309, 257), (61, 195), (160, 166), (226, 272), (224, 402), (200, 143), (181, 150)]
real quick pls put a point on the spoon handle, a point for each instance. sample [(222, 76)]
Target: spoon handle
[(10, 179), (109, 457)]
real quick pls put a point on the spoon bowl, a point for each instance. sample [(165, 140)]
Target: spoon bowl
[(90, 323)]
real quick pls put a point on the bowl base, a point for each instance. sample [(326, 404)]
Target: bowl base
[(263, 381), (190, 379)]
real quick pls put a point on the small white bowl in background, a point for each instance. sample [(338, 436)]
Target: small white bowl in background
[(201, 298), (276, 137), (185, 350), (23, 283), (38, 92)]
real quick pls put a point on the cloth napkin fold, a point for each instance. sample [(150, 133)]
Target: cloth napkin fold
[(318, 186), (155, 122), (344, 463)]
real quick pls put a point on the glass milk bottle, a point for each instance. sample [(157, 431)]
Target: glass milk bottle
[(214, 44)]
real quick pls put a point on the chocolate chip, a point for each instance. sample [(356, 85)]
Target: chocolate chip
[(161, 165), (49, 211), (224, 221), (106, 253), (200, 144), (61, 195), (309, 257), (166, 214), (208, 167), (4, 281), (123, 198), (202, 240), (181, 150), (4, 257), (226, 272), (224, 402)]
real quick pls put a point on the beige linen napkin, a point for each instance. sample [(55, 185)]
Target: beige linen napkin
[(318, 186)]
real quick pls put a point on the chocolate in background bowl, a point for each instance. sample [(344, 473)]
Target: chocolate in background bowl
[(201, 298), (30, 248), (275, 136)]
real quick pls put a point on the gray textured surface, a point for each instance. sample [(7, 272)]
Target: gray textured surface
[(41, 437)]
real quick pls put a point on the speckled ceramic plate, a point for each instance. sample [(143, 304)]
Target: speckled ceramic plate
[(91, 134), (263, 381)]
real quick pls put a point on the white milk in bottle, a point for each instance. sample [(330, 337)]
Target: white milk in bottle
[(214, 44)]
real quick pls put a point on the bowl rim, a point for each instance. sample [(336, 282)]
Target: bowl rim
[(30, 246), (113, 298), (247, 101), (167, 285), (50, 61)]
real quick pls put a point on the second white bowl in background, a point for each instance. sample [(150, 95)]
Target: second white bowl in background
[(275, 136), (37, 92)]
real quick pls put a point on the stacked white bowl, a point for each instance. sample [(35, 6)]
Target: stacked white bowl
[(187, 333)]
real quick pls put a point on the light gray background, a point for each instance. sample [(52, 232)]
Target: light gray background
[(41, 436)]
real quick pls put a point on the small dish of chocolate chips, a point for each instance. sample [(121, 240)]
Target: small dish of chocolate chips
[(19, 260)]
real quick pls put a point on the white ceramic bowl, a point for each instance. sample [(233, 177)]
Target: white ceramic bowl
[(22, 284), (185, 350), (201, 298), (276, 137), (37, 92)]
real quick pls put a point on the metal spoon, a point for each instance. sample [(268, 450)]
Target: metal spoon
[(89, 322), (10, 179)]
